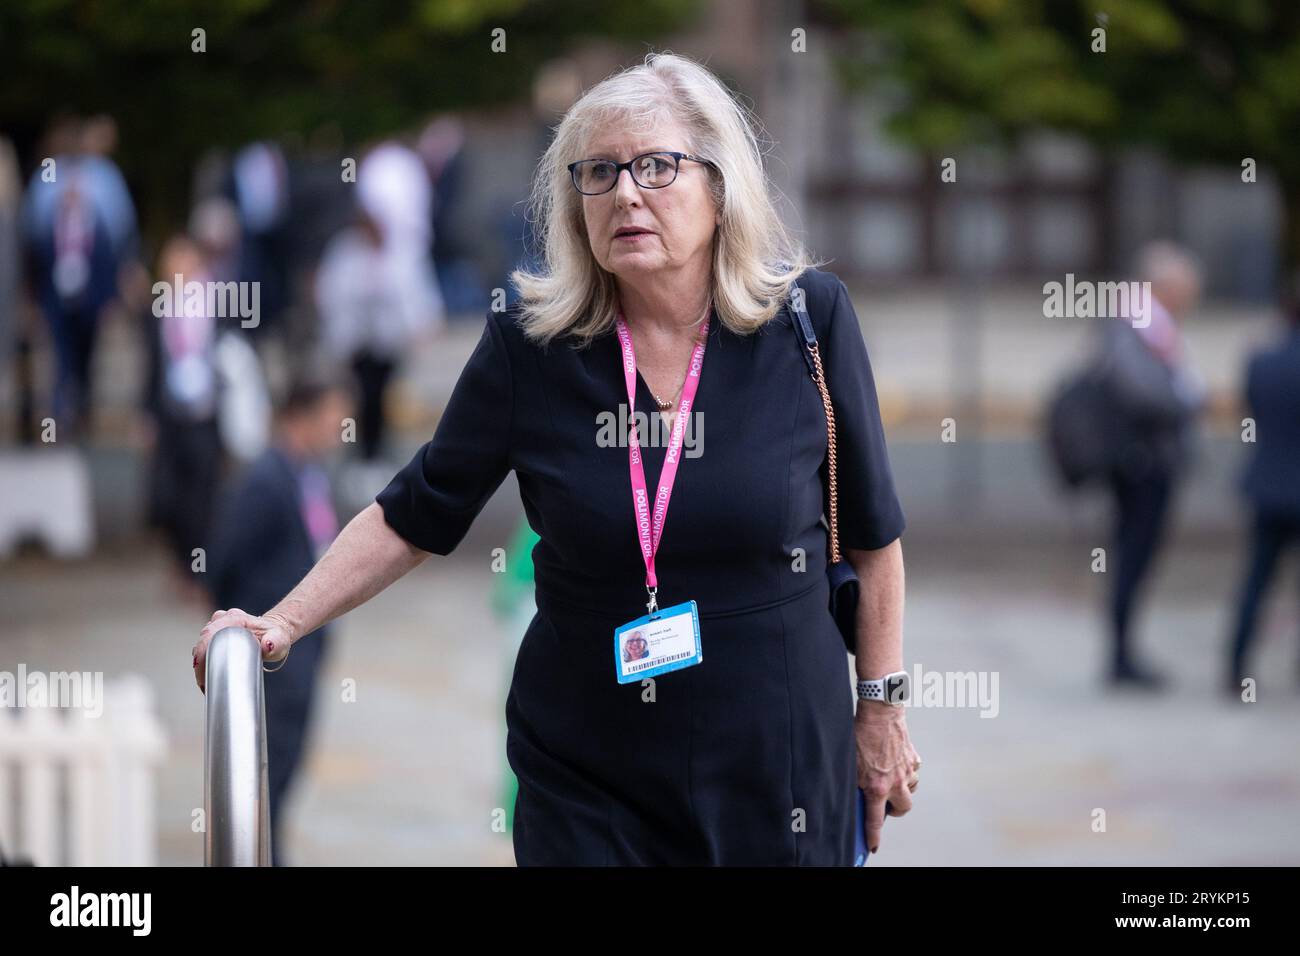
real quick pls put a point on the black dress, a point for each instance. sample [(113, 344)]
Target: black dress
[(748, 756)]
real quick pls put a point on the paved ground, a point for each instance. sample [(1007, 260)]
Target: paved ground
[(411, 772)]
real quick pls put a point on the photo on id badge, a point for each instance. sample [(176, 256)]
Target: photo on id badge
[(667, 641)]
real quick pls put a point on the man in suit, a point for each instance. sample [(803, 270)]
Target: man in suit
[(1154, 396), (276, 522), (80, 231), (1271, 482)]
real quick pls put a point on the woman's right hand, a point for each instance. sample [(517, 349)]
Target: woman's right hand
[(273, 633)]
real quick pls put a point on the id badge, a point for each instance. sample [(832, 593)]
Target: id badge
[(666, 642)]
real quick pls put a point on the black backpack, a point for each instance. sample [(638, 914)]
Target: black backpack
[(1080, 439)]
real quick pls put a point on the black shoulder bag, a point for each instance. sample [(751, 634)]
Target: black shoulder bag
[(843, 580)]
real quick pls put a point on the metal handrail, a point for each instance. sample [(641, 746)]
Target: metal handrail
[(236, 796)]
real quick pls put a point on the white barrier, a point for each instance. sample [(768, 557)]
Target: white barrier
[(45, 493), (76, 789)]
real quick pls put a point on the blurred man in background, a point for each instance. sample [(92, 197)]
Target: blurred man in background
[(276, 523), (259, 188), (1271, 482), (80, 233), (373, 306), (1154, 399), (377, 294), (180, 411)]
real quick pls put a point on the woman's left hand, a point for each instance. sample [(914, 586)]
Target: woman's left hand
[(887, 763)]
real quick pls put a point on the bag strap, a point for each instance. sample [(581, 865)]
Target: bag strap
[(812, 357)]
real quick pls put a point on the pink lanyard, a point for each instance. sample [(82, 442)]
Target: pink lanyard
[(649, 527)]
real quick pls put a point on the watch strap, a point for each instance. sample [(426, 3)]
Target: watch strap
[(875, 689), (871, 689)]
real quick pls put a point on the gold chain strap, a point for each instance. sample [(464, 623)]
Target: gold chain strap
[(830, 452)]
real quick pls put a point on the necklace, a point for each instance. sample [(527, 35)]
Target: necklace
[(664, 406)]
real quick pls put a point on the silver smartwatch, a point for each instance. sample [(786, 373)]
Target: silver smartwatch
[(895, 689)]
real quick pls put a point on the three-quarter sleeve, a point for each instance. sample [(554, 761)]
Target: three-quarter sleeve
[(870, 515), (433, 501)]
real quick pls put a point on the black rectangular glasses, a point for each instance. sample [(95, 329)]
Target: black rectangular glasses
[(591, 177)]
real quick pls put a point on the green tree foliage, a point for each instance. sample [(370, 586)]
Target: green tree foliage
[(274, 68), (1212, 81)]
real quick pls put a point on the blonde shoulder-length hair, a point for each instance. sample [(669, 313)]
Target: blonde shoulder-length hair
[(755, 258)]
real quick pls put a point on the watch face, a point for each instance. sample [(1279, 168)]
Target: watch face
[(898, 688)]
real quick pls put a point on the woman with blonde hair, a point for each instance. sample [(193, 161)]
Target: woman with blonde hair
[(733, 740)]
